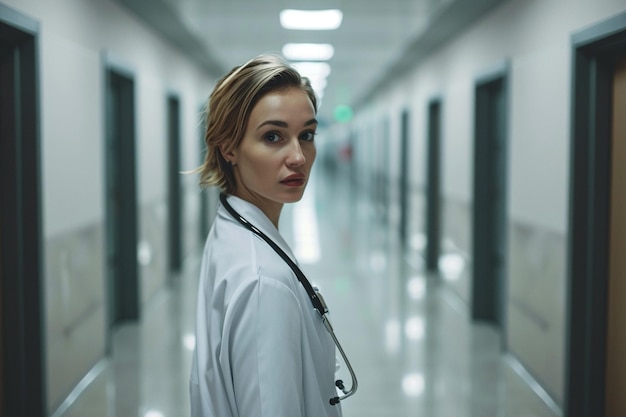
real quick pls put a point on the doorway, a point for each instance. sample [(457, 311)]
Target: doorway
[(595, 341), (489, 212), (175, 219), (121, 197), (387, 164), (205, 215), (616, 337), (22, 348), (404, 183), (433, 186), (379, 165)]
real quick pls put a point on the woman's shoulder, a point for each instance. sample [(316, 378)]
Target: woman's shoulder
[(238, 283), (237, 257), (237, 245)]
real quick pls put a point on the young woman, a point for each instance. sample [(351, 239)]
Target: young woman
[(261, 348)]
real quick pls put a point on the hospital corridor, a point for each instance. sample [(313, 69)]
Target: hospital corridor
[(464, 219), (413, 347)]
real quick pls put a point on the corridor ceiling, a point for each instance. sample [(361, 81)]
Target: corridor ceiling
[(376, 42)]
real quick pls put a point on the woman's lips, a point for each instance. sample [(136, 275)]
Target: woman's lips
[(293, 181)]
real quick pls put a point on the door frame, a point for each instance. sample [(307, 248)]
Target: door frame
[(387, 173), (205, 220), (588, 220), (123, 294), (23, 290), (404, 179), (488, 298), (174, 185), (433, 183)]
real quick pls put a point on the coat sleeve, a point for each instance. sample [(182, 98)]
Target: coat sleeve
[(265, 351)]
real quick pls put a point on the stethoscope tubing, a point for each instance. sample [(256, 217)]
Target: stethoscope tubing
[(355, 383), (316, 298)]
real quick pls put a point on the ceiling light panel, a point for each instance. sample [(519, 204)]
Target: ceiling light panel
[(308, 51), (311, 19), (312, 69)]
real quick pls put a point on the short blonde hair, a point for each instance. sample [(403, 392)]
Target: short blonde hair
[(229, 108)]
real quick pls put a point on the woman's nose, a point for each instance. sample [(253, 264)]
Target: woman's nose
[(296, 156)]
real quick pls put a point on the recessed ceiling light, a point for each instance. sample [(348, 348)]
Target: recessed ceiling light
[(312, 69), (308, 51), (311, 19), (318, 85)]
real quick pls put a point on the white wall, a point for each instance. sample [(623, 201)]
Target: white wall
[(534, 37), (74, 37)]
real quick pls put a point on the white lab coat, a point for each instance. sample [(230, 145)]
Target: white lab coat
[(261, 348)]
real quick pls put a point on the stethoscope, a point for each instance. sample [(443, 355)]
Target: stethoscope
[(314, 295)]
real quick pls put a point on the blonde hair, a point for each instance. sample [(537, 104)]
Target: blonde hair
[(229, 108)]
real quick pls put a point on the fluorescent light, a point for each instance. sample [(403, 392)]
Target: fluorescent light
[(316, 72), (318, 84), (312, 69), (308, 51), (311, 19)]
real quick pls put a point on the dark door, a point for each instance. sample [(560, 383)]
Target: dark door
[(205, 221), (594, 383), (404, 190), (433, 187), (489, 214), (22, 366), (616, 336), (386, 171), (379, 169), (4, 51), (174, 185), (121, 199)]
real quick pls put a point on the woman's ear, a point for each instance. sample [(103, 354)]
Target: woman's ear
[(229, 156)]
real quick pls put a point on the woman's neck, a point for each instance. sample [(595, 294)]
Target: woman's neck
[(270, 208)]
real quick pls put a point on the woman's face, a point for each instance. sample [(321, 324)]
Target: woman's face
[(274, 159)]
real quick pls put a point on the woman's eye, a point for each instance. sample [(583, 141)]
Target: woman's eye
[(307, 136), (272, 137)]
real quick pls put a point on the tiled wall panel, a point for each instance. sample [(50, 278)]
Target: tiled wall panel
[(536, 304), (76, 308)]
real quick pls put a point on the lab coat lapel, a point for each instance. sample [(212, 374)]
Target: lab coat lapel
[(256, 217)]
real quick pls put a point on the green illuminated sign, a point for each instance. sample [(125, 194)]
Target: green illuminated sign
[(343, 113)]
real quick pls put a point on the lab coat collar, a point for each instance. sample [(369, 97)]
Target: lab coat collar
[(255, 216)]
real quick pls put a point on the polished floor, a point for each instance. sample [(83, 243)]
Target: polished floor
[(409, 337)]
